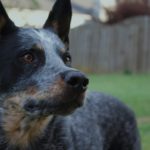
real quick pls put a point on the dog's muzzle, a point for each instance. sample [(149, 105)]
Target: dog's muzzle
[(71, 96)]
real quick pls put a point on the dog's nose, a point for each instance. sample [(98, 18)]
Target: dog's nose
[(76, 80)]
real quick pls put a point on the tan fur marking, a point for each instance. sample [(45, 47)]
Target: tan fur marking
[(58, 88), (38, 47), (2, 22), (55, 25), (32, 90), (63, 50), (19, 129)]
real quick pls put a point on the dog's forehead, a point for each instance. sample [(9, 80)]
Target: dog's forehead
[(47, 39)]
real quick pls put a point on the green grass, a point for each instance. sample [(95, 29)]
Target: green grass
[(134, 90)]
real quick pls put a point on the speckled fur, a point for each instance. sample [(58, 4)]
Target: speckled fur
[(54, 121), (103, 123)]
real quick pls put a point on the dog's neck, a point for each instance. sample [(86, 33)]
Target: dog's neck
[(37, 136), (20, 131)]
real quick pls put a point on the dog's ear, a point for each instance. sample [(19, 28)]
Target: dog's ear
[(6, 25), (59, 19)]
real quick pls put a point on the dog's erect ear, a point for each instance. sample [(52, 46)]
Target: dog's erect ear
[(59, 19), (6, 25)]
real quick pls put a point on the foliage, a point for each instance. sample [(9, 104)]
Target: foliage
[(127, 9)]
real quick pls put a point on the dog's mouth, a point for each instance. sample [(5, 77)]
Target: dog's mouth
[(59, 99), (53, 106), (26, 113)]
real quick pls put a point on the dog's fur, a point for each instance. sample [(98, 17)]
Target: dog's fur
[(40, 93)]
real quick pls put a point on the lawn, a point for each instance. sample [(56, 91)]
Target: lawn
[(134, 90)]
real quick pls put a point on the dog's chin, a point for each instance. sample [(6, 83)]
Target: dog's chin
[(54, 106), (68, 107)]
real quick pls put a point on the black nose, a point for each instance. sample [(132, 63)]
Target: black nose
[(76, 80)]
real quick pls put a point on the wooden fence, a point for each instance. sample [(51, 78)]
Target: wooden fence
[(124, 47)]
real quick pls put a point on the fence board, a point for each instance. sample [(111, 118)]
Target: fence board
[(100, 48)]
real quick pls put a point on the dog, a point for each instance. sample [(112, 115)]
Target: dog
[(44, 102)]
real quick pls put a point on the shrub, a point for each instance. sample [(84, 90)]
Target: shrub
[(126, 10)]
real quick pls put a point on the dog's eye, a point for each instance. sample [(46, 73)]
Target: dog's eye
[(67, 59), (27, 58)]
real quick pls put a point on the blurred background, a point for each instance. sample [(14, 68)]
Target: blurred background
[(110, 41)]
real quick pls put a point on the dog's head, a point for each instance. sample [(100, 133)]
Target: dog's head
[(36, 78)]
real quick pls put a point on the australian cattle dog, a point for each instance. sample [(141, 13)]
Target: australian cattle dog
[(43, 100)]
